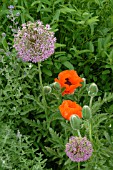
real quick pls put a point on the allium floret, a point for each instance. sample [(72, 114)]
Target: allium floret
[(79, 149), (34, 42)]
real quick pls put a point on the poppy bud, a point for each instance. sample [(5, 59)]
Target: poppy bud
[(84, 82), (93, 90), (56, 86), (86, 112), (47, 89), (75, 122)]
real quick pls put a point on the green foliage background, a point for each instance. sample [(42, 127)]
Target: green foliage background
[(84, 31)]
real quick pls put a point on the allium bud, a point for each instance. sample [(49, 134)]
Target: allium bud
[(86, 112), (79, 149), (75, 122), (47, 89), (56, 86), (34, 42), (93, 90)]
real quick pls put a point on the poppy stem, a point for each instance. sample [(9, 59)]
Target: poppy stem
[(78, 133), (42, 90), (91, 100), (78, 165), (90, 124)]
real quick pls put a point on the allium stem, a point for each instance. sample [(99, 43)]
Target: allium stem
[(78, 165), (42, 90), (90, 131)]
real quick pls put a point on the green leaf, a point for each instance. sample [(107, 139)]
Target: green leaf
[(27, 109), (46, 71), (4, 43), (91, 46), (20, 7), (68, 65), (31, 18), (106, 72), (92, 20), (57, 45), (66, 10), (46, 2), (56, 16), (34, 3), (107, 136), (57, 65)]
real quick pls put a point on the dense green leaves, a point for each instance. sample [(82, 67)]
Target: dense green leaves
[(84, 31)]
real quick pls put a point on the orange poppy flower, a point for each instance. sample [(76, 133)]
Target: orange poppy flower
[(69, 80), (69, 108)]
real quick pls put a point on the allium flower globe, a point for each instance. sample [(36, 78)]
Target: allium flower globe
[(34, 42), (79, 149)]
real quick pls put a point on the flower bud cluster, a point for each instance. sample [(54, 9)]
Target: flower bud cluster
[(34, 42)]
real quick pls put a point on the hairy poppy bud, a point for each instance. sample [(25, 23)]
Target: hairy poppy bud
[(86, 112), (93, 90), (84, 82), (75, 122), (56, 86), (47, 89)]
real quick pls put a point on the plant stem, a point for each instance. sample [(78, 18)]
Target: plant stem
[(78, 133), (90, 131), (78, 165), (90, 124), (43, 94), (90, 103)]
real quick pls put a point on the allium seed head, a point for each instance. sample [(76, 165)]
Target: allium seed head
[(34, 42), (79, 149)]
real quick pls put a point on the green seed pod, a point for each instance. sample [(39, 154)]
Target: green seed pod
[(86, 112), (93, 90), (75, 122)]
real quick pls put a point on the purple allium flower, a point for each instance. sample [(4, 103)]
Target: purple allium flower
[(79, 149), (34, 42)]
